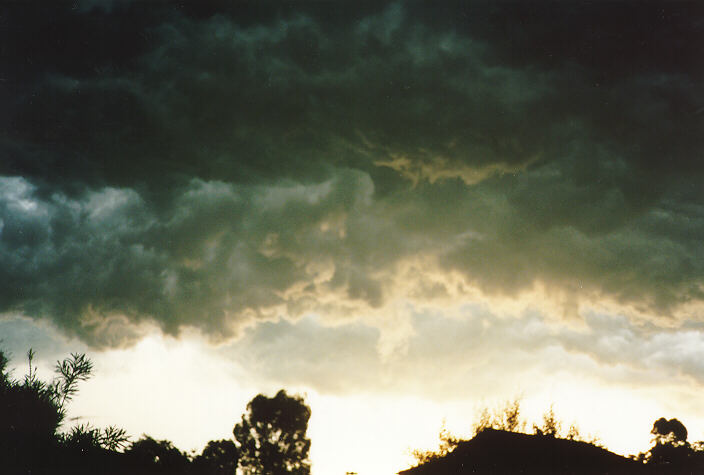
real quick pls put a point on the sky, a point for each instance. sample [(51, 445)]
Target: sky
[(406, 212)]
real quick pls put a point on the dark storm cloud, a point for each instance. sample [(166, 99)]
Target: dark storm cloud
[(212, 164)]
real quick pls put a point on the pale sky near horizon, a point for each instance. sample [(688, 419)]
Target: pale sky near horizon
[(405, 212)]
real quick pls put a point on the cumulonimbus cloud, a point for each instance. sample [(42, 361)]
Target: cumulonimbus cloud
[(223, 169)]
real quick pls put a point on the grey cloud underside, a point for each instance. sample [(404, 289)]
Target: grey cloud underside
[(447, 358), (223, 170)]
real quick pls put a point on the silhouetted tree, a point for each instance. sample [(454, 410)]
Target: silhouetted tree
[(148, 455), (219, 457), (671, 432), (671, 447), (272, 436)]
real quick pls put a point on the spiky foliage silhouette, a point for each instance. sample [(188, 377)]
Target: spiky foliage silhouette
[(32, 412)]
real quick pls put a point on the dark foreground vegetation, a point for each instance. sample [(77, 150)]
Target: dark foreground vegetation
[(500, 446), (494, 451), (269, 439)]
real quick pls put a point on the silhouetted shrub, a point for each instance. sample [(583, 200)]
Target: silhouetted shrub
[(671, 451), (506, 417), (148, 455), (448, 442), (31, 413), (219, 457)]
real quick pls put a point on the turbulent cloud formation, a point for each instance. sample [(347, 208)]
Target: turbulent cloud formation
[(211, 166), (454, 354)]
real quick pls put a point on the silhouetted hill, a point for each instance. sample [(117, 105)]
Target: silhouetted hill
[(500, 452)]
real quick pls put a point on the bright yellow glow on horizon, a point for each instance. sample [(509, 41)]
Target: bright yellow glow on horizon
[(178, 390), (184, 391)]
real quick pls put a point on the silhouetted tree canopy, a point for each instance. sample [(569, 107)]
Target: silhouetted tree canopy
[(669, 431), (219, 457), (148, 455), (671, 451), (272, 436)]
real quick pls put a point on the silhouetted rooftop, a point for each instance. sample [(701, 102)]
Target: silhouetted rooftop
[(500, 452)]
